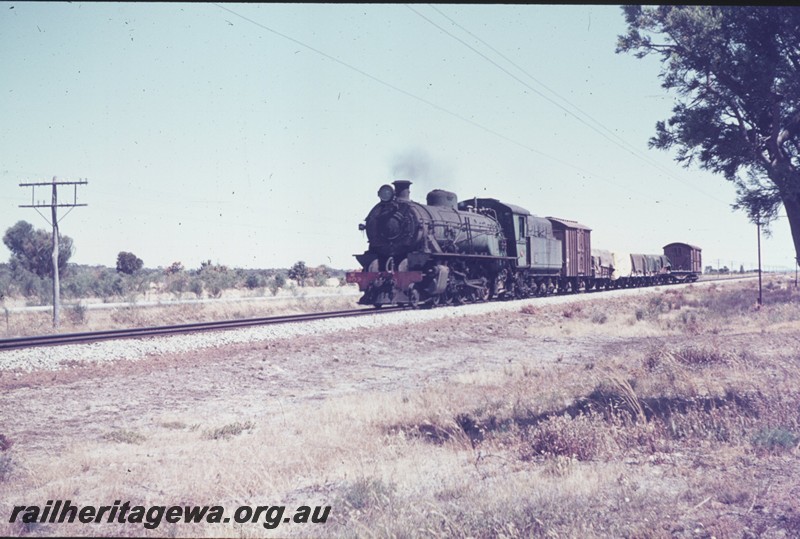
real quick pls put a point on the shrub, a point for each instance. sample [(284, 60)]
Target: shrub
[(196, 288), (280, 280), (177, 284), (215, 291), (125, 436), (5, 442), (79, 283), (6, 467), (254, 281), (175, 267), (775, 440), (109, 283), (78, 314), (276, 283), (365, 493), (216, 278), (572, 310), (229, 431), (582, 437), (6, 282), (692, 355)]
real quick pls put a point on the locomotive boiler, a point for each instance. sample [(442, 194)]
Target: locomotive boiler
[(432, 252)]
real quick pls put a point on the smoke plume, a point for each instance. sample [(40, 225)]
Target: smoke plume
[(416, 165)]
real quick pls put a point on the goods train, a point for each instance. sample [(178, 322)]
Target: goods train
[(449, 252)]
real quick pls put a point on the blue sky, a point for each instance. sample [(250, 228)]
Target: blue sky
[(256, 135)]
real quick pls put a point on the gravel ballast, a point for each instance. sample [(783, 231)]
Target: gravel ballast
[(59, 357)]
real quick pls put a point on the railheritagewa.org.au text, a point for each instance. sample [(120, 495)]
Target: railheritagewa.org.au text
[(151, 517)]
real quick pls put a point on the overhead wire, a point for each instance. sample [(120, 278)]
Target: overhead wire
[(620, 142), (432, 104), (389, 85)]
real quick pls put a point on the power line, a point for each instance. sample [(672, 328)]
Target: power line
[(391, 86), (632, 149), (507, 72), (432, 104), (517, 66), (622, 144)]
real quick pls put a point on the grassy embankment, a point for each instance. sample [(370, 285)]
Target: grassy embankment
[(688, 426), (234, 304)]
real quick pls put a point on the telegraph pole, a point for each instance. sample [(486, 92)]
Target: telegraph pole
[(54, 205), (758, 229)]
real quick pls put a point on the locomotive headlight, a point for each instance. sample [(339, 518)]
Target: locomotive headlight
[(386, 193)]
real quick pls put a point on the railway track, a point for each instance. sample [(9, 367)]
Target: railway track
[(177, 329), (154, 331)]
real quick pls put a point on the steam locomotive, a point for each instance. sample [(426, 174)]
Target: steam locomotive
[(449, 252)]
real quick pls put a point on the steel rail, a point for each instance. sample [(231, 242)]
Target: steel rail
[(176, 329)]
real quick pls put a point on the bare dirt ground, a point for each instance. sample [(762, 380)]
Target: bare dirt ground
[(254, 376), (441, 425)]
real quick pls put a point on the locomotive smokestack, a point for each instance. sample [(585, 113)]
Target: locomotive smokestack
[(402, 189)]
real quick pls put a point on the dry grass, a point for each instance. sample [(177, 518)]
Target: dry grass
[(79, 318), (680, 427)]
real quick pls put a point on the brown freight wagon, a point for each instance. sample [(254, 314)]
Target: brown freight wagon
[(576, 245), (684, 257)]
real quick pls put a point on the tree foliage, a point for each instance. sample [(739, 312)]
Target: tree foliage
[(32, 249), (215, 278), (128, 263), (174, 268), (735, 70), (299, 272), (320, 274)]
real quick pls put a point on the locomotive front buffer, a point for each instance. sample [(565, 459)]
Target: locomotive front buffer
[(387, 287)]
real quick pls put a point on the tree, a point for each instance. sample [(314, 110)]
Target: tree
[(320, 274), (128, 263), (736, 72), (32, 249), (174, 268), (280, 281), (253, 281), (299, 272)]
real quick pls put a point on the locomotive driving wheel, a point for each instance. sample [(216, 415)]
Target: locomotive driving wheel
[(482, 294), (413, 297), (469, 294), (542, 290), (446, 297), (458, 295)]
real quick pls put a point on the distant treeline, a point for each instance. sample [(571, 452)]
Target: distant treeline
[(29, 273), (109, 284)]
